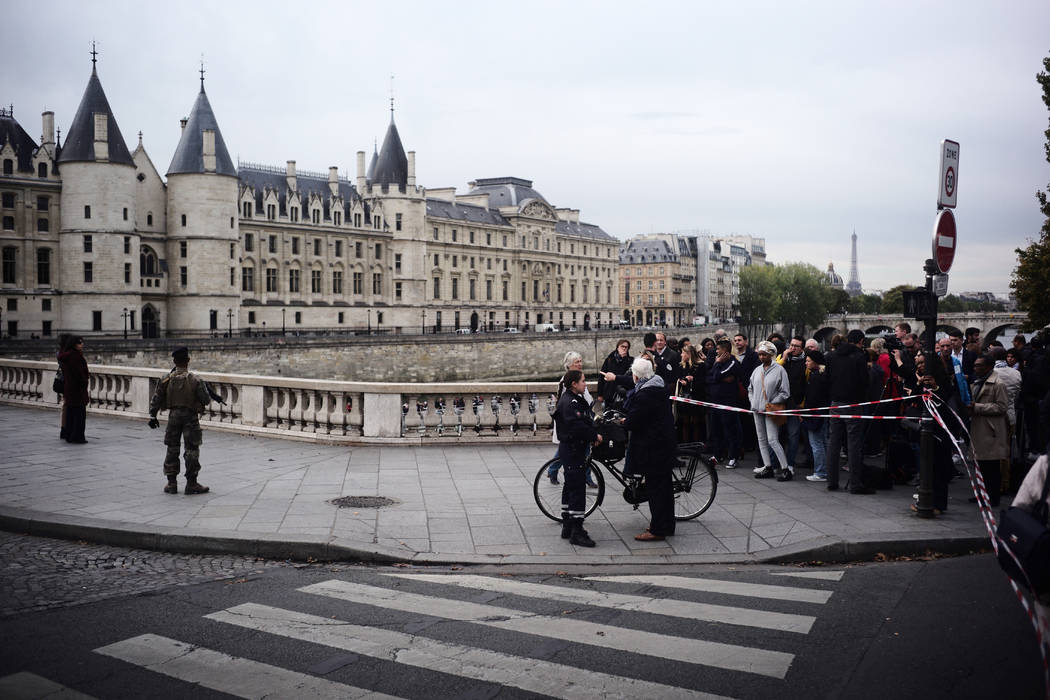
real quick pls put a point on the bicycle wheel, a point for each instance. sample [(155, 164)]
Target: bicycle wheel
[(548, 495), (695, 484)]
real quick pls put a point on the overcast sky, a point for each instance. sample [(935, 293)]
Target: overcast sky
[(799, 122)]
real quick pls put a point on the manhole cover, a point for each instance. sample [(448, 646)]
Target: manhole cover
[(362, 501)]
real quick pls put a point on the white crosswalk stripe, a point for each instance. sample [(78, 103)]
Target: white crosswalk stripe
[(544, 677), (242, 678), (694, 651), (634, 677), (710, 585), (677, 608), (821, 575)]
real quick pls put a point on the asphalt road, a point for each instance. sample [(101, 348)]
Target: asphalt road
[(113, 623)]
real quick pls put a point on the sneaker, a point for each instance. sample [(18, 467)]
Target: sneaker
[(816, 477), (765, 473), (731, 464), (786, 475)]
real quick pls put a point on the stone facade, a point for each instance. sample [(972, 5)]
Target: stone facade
[(255, 247)]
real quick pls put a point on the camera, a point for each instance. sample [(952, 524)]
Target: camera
[(892, 342)]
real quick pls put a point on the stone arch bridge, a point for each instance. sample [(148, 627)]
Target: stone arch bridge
[(991, 323)]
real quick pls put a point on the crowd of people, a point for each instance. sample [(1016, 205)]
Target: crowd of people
[(994, 399)]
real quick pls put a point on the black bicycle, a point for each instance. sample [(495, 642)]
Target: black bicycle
[(694, 479)]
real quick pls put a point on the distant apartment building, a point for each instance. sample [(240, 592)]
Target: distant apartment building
[(671, 278)]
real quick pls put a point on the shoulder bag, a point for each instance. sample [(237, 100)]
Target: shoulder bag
[(1024, 531), (771, 407)]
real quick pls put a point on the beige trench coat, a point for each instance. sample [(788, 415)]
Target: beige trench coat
[(988, 425)]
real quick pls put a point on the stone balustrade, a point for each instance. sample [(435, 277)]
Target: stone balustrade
[(315, 409)]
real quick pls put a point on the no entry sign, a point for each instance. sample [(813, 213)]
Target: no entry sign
[(949, 185), (944, 240)]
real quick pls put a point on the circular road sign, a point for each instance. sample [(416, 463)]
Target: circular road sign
[(949, 182), (944, 240)]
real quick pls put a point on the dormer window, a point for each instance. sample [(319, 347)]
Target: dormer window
[(271, 212), (316, 216), (247, 210), (294, 214), (41, 170)]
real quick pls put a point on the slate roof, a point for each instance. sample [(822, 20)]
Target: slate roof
[(80, 139), (372, 164), (582, 229), (465, 212), (646, 251), (392, 166), (505, 191), (307, 184), (12, 132), (189, 154)]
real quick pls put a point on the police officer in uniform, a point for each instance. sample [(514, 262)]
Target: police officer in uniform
[(184, 395)]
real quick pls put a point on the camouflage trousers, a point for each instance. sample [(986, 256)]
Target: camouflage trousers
[(183, 425)]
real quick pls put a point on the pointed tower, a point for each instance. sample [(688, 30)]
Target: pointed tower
[(98, 244), (203, 241), (853, 286)]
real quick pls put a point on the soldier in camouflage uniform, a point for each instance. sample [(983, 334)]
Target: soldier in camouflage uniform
[(184, 395)]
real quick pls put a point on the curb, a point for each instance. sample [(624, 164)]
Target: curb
[(825, 549)]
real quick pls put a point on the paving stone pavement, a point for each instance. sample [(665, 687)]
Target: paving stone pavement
[(41, 574), (454, 503)]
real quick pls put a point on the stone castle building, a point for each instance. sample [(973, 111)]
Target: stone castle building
[(95, 240)]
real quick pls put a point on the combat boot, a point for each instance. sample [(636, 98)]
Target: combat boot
[(566, 526), (193, 487), (172, 487), (579, 536)]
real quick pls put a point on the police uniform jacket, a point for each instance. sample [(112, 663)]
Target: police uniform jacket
[(575, 426)]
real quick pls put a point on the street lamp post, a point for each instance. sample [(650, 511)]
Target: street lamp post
[(229, 315), (423, 324), (370, 322), (264, 329), (283, 313), (125, 316)]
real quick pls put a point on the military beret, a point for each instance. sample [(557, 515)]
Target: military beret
[(181, 354)]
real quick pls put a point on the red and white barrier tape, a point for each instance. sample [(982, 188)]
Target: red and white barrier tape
[(795, 412), (988, 516)]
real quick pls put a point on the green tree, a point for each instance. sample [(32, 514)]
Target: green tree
[(838, 300), (1031, 278), (804, 297), (893, 299), (759, 297), (950, 304), (865, 304)]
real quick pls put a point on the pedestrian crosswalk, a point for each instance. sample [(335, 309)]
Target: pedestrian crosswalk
[(597, 636)]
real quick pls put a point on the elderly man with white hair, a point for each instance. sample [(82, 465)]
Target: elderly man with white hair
[(652, 446)]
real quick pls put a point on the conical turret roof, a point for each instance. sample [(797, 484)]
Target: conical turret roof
[(189, 154), (372, 164), (392, 166), (80, 139)]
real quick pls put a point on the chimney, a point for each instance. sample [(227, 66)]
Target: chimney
[(209, 150), (182, 123), (289, 176), (333, 180), (101, 136), (412, 169), (360, 172), (48, 133)]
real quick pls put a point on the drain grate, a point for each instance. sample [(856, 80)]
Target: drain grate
[(362, 501)]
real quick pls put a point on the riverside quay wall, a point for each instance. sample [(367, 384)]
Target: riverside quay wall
[(361, 358)]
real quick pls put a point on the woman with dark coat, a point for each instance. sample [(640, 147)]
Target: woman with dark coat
[(75, 393), (618, 363), (576, 432), (652, 446)]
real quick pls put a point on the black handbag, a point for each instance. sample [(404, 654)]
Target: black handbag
[(1024, 530), (59, 385)]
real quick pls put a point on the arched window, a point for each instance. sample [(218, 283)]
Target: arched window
[(183, 219), (149, 219), (148, 265)]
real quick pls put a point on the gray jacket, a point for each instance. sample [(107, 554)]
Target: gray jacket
[(778, 386)]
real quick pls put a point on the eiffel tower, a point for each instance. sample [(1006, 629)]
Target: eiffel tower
[(853, 286)]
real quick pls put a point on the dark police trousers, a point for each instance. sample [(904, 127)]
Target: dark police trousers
[(183, 424)]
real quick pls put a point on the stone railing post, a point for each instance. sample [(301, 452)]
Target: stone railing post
[(382, 415), (253, 408), (139, 395)]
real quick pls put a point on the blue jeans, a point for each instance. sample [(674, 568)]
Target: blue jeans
[(817, 443)]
